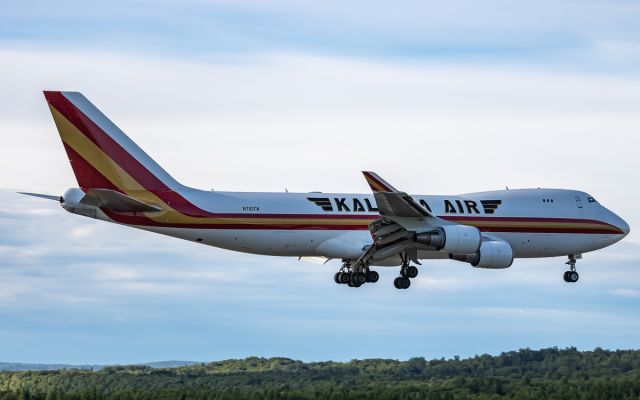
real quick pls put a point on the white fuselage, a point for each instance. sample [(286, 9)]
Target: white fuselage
[(535, 222)]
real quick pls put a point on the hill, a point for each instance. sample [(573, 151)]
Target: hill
[(9, 366), (524, 374)]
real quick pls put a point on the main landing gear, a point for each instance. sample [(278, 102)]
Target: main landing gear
[(571, 276), (407, 272), (352, 278), (354, 275)]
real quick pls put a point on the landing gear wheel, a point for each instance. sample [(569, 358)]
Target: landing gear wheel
[(573, 276), (336, 277), (405, 283), (372, 276), (358, 279), (411, 271), (396, 282), (344, 278), (401, 282)]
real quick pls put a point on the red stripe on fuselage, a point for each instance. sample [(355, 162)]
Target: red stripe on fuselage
[(140, 220), (550, 230), (523, 219)]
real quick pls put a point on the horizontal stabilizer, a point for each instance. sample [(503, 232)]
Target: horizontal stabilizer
[(42, 196), (115, 201)]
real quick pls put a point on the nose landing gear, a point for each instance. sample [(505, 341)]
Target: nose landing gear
[(572, 276)]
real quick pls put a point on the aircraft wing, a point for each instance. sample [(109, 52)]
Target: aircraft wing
[(405, 226), (394, 204), (401, 217)]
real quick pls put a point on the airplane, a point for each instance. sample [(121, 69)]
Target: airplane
[(118, 182)]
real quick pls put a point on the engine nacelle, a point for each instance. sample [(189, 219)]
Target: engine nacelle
[(455, 239), (492, 254)]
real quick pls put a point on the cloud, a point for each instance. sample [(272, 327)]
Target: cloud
[(619, 51), (561, 33), (628, 293)]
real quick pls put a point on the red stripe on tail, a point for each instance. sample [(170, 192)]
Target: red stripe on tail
[(88, 177), (119, 155)]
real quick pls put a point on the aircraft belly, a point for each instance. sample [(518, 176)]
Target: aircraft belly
[(291, 243), (533, 245), (341, 244)]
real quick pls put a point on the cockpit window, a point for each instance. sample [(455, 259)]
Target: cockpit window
[(591, 199)]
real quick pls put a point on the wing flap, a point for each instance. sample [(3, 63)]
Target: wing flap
[(399, 204)]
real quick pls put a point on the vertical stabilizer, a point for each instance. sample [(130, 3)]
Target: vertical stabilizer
[(101, 155)]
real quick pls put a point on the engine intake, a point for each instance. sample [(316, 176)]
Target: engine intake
[(456, 239)]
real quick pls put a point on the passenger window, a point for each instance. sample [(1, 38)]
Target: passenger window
[(578, 202)]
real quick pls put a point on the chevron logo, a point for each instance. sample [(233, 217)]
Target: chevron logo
[(490, 206), (322, 202)]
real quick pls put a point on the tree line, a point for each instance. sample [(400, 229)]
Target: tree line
[(525, 374)]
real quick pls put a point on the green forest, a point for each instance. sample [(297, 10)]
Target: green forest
[(525, 374)]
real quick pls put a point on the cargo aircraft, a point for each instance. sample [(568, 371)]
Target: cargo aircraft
[(118, 182)]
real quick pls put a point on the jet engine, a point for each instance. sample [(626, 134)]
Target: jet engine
[(493, 254), (455, 239)]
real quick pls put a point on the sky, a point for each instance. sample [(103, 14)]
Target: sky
[(255, 96)]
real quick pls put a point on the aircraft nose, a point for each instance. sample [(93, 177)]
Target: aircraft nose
[(624, 227), (621, 224)]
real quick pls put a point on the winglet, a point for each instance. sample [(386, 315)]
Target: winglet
[(393, 203), (377, 184)]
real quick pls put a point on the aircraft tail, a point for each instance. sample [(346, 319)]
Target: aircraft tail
[(101, 155)]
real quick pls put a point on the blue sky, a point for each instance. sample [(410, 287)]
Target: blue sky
[(234, 95), (572, 33)]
